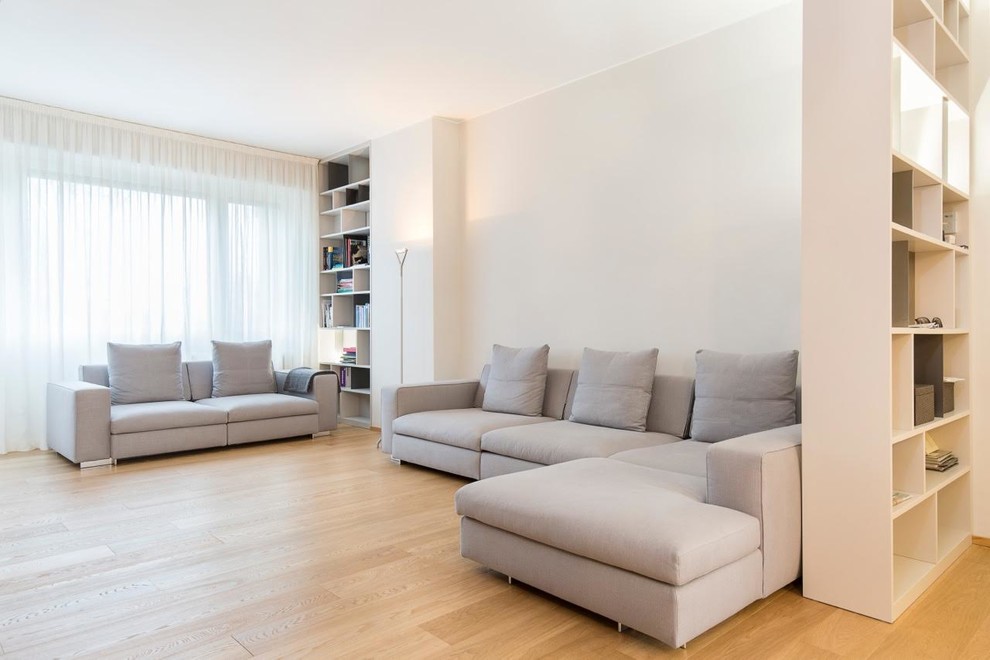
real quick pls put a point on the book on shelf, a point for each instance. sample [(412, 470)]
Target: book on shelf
[(349, 355), (899, 496), (327, 314), (356, 252), (938, 460), (345, 285), (336, 258), (362, 315), (333, 258)]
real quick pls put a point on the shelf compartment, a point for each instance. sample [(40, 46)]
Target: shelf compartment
[(954, 509), (908, 465), (917, 111), (339, 222), (922, 282), (955, 438), (916, 204), (901, 162), (915, 547), (956, 357)]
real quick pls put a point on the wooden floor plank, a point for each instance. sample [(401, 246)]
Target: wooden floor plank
[(316, 548)]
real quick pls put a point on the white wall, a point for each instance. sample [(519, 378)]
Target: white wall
[(654, 204), (416, 193)]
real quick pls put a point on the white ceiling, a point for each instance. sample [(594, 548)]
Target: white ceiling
[(315, 76)]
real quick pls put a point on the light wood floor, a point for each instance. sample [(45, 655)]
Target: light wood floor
[(324, 548)]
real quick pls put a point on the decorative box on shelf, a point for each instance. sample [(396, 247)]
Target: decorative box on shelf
[(924, 404), (948, 397)]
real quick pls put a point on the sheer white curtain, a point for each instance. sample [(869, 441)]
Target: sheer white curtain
[(115, 232)]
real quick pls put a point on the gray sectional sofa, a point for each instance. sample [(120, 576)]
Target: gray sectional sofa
[(85, 428), (656, 531)]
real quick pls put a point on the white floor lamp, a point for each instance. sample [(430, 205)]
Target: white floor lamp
[(400, 254)]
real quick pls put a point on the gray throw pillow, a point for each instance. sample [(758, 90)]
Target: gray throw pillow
[(614, 389), (517, 380), (740, 394), (144, 372), (242, 368)]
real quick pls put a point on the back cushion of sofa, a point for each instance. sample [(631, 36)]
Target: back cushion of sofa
[(614, 389), (140, 373), (738, 394), (200, 379), (556, 400), (517, 380), (242, 367), (670, 406)]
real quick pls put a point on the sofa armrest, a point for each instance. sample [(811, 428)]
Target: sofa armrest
[(325, 390), (760, 474), (78, 420), (399, 400)]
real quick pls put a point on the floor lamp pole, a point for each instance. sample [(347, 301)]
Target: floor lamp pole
[(400, 254)]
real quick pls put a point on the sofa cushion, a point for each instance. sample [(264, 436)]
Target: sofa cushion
[(242, 368), (740, 394), (161, 415), (517, 380), (559, 441), (458, 428), (614, 389), (144, 372), (685, 457), (629, 516), (249, 407)]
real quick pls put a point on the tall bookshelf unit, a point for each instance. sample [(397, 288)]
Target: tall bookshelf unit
[(875, 256), (345, 284)]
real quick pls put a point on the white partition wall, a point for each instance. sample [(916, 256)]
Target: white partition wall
[(885, 162)]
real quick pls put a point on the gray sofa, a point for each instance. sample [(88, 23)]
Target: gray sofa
[(658, 532), (86, 429)]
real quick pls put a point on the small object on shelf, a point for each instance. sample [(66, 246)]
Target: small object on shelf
[(925, 322), (899, 496), (949, 394), (924, 404), (940, 460)]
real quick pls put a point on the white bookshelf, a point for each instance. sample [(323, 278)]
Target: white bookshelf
[(345, 214), (905, 103)]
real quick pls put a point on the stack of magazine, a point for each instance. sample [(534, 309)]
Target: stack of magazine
[(940, 460), (936, 458)]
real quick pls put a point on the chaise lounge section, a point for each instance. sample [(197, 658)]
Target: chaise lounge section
[(669, 540)]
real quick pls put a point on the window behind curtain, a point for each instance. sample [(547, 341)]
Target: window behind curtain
[(114, 232)]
